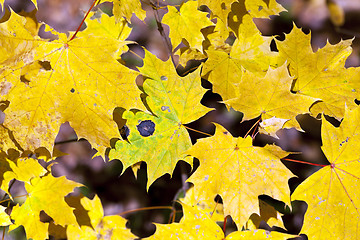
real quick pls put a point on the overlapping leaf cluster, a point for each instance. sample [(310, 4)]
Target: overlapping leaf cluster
[(81, 80)]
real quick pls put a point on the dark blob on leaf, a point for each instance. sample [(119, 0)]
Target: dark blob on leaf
[(124, 132), (146, 128)]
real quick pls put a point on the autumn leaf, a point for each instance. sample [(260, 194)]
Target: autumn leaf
[(161, 139), (6, 142), (126, 8), (4, 217), (23, 170), (268, 214), (4, 167), (188, 21), (217, 38), (258, 234), (331, 193), (263, 9), (13, 47), (103, 227), (219, 9), (250, 51), (195, 224), (239, 173), (269, 96), (44, 194), (337, 13), (186, 54), (271, 126), (214, 210), (321, 74), (80, 81), (256, 8)]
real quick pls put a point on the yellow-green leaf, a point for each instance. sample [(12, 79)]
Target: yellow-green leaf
[(161, 139)]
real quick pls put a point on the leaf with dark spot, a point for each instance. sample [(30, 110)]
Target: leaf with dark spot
[(146, 128)]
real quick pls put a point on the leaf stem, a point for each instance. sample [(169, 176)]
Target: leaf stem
[(298, 161), (147, 208), (207, 134), (162, 32), (82, 22), (224, 226), (253, 126), (216, 204)]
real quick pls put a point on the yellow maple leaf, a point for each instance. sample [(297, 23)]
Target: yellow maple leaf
[(4, 167), (24, 170), (161, 139), (337, 13), (187, 54), (217, 38), (213, 209), (219, 9), (186, 23), (79, 81), (44, 194), (263, 9), (6, 142), (267, 214), (125, 8), (250, 51), (269, 96), (4, 217), (331, 193), (12, 34), (321, 74), (195, 224), (103, 227), (271, 126), (231, 166), (259, 234)]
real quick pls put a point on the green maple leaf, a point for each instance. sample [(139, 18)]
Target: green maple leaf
[(161, 139)]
